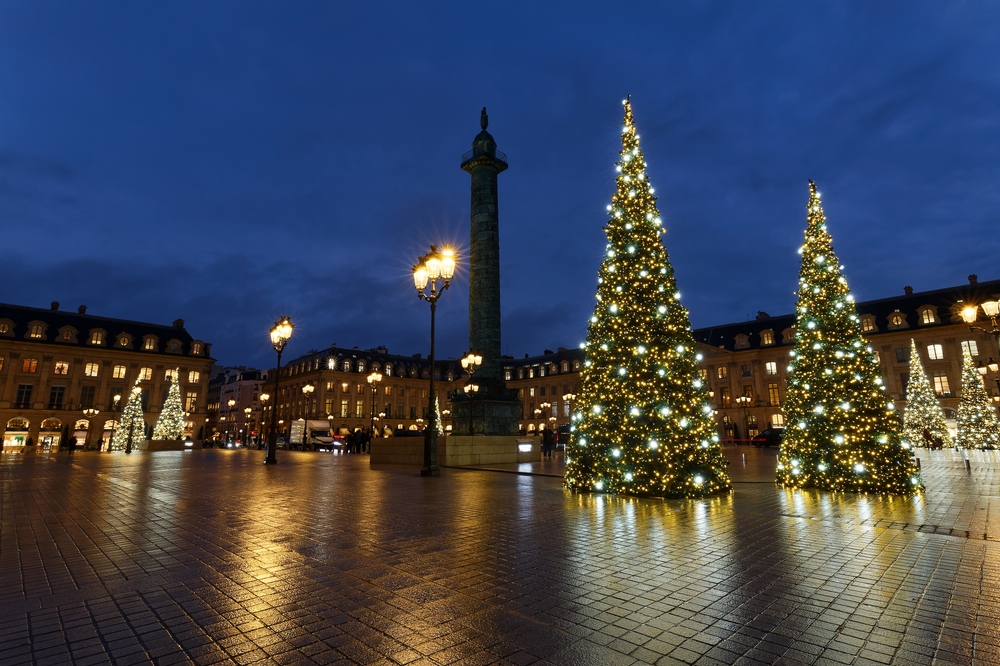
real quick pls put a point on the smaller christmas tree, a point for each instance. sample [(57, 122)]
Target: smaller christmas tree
[(437, 416), (170, 425), (132, 428), (923, 412), (978, 426)]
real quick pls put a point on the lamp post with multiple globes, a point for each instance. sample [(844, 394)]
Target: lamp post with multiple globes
[(991, 309), (90, 413), (246, 426), (433, 266), (470, 363), (744, 402), (264, 397), (281, 333), (374, 379)]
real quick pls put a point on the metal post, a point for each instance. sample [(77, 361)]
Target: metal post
[(430, 440), (272, 437)]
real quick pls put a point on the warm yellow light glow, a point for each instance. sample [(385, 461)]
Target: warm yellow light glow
[(447, 263), (969, 314), (420, 277), (433, 264), (991, 308)]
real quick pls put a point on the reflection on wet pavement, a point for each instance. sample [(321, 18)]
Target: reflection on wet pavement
[(210, 557)]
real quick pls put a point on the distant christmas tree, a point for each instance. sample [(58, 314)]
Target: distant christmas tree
[(923, 411), (978, 426), (170, 425), (437, 416), (843, 432), (132, 427), (645, 425)]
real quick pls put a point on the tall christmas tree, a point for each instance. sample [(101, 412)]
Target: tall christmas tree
[(170, 425), (923, 411), (645, 424), (437, 416), (843, 431), (978, 427), (132, 426)]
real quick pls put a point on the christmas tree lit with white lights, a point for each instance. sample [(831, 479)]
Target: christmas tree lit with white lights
[(170, 425), (645, 424), (132, 426), (978, 427), (843, 431), (923, 411)]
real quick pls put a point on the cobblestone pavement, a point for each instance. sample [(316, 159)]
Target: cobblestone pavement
[(210, 557)]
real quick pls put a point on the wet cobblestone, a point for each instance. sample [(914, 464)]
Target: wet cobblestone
[(209, 557)]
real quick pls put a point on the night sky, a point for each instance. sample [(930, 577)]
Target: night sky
[(227, 163)]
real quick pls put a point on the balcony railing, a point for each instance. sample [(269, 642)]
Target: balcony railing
[(501, 157)]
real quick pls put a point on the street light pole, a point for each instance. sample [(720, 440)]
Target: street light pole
[(374, 380), (744, 402), (992, 310), (90, 413), (281, 333), (471, 363), (264, 397), (437, 264)]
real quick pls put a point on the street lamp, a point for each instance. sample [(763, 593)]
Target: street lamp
[(232, 419), (470, 363), (90, 413), (374, 380), (544, 407), (115, 407), (264, 397), (246, 424), (991, 309), (281, 333), (744, 402), (992, 367), (307, 392), (433, 266)]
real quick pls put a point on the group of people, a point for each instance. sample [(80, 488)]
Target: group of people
[(358, 441)]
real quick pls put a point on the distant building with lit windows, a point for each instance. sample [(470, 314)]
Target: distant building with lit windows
[(54, 365)]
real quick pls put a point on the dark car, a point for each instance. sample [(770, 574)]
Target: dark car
[(769, 437)]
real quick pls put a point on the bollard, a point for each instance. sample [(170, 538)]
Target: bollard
[(744, 460), (918, 463), (968, 467)]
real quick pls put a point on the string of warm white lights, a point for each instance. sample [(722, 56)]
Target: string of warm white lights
[(644, 424), (843, 431), (978, 427), (132, 423), (923, 411)]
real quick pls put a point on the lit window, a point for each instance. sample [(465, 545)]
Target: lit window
[(359, 410), (145, 374), (388, 369), (971, 346), (878, 359), (576, 365), (773, 395), (927, 316), (118, 372), (36, 332), (531, 392), (194, 377), (196, 348), (361, 366), (97, 338), (867, 323), (191, 401), (941, 383), (123, 341), (170, 375), (771, 368), (149, 344), (29, 365), (723, 371), (767, 337), (388, 390), (1, 362), (935, 352), (347, 366), (724, 398), (4, 327), (506, 375), (897, 320), (702, 372), (742, 341), (66, 335), (343, 409), (778, 420), (61, 368), (91, 370)]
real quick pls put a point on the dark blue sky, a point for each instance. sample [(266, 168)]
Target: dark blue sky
[(227, 163)]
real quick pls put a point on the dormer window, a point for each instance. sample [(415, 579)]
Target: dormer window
[(67, 335), (767, 337), (361, 366), (388, 369), (5, 328), (788, 336), (36, 332), (742, 341), (124, 341), (97, 337), (928, 315), (897, 320), (868, 324), (347, 366), (196, 348), (149, 344)]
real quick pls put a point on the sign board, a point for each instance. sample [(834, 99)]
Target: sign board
[(298, 431)]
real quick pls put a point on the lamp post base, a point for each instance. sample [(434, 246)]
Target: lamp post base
[(433, 470)]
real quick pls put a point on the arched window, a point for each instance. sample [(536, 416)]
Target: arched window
[(388, 369), (18, 423), (347, 365), (149, 343), (576, 365), (778, 420), (767, 337), (868, 324), (196, 348), (928, 315), (36, 332), (788, 336), (897, 320), (361, 366), (97, 337), (742, 341)]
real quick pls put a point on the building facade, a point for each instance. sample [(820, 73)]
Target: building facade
[(69, 374), (234, 404)]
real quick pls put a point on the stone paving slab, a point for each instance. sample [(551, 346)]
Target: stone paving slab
[(211, 558)]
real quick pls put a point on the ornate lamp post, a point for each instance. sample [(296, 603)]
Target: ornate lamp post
[(374, 380), (471, 363), (246, 425), (992, 367), (90, 413), (544, 407), (991, 309), (433, 266), (744, 402), (281, 333), (232, 419), (115, 407), (264, 397)]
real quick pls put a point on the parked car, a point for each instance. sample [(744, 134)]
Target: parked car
[(768, 437)]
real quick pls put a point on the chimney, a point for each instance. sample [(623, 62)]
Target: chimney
[(908, 290), (55, 305), (973, 279), (178, 323), (82, 309), (762, 315)]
